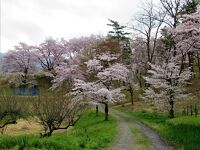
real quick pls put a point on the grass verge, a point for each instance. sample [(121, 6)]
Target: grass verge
[(181, 132), (90, 132)]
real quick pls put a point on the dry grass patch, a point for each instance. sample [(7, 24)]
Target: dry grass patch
[(26, 127), (30, 126)]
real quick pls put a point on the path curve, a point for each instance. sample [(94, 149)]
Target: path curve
[(126, 140)]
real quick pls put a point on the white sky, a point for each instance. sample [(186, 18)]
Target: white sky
[(31, 21)]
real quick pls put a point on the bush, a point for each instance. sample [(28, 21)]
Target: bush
[(56, 112), (11, 108)]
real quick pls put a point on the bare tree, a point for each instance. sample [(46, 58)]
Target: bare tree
[(173, 9), (56, 113), (176, 8), (148, 24)]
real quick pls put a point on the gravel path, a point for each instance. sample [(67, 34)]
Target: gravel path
[(127, 140)]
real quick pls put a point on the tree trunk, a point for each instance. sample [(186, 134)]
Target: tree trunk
[(48, 134), (190, 61), (140, 80), (106, 111), (171, 103), (182, 63), (131, 92), (198, 62), (24, 76), (97, 110)]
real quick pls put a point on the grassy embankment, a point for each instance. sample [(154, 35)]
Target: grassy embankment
[(90, 132)]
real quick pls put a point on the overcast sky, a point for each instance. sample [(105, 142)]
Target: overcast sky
[(32, 20)]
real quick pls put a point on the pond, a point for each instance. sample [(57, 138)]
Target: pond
[(26, 91)]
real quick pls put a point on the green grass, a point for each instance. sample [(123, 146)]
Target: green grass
[(4, 89), (90, 132), (181, 132)]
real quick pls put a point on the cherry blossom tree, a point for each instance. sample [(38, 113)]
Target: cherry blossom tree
[(187, 37), (187, 33), (131, 85), (50, 54), (20, 60), (139, 60), (102, 90), (75, 45), (66, 74), (167, 83), (175, 10)]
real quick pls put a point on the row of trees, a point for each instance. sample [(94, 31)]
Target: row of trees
[(47, 56), (160, 57)]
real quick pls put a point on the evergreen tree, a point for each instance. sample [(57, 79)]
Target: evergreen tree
[(190, 7), (118, 33)]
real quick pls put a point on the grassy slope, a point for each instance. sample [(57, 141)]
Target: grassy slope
[(181, 132), (90, 132)]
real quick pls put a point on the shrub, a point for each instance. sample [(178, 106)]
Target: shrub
[(56, 112)]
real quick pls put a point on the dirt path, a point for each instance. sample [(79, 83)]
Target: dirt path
[(133, 135), (125, 138)]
